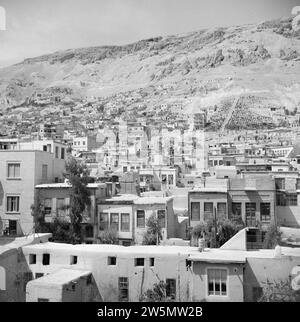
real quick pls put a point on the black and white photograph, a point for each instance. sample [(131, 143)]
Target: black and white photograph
[(149, 154)]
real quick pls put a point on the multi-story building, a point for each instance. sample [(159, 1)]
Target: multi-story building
[(84, 143), (54, 200), (252, 198), (209, 202), (20, 172), (128, 215)]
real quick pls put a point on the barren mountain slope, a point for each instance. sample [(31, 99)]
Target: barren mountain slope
[(199, 69)]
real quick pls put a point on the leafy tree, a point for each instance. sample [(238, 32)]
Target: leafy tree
[(59, 229), (37, 211), (279, 291), (78, 176), (108, 236), (153, 235), (216, 234), (156, 294), (273, 237)]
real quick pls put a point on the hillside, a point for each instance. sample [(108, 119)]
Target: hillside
[(203, 69)]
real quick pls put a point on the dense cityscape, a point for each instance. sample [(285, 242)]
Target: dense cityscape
[(149, 195)]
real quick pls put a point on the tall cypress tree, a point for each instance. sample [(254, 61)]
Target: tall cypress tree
[(78, 176)]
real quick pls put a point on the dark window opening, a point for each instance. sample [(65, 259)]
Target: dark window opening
[(73, 260), (46, 259), (151, 261), (139, 262), (171, 288), (112, 260), (32, 258)]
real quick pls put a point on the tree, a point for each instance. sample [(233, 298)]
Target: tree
[(37, 211), (59, 229), (279, 291), (153, 235), (108, 236), (273, 237), (156, 294), (78, 176), (218, 233)]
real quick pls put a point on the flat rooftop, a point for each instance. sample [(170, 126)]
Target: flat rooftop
[(61, 277), (214, 255)]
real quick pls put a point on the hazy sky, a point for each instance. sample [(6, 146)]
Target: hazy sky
[(36, 27)]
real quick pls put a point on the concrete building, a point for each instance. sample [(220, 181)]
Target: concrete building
[(37, 270), (65, 285), (20, 172), (54, 198), (84, 143), (252, 198), (209, 202), (128, 214), (57, 148)]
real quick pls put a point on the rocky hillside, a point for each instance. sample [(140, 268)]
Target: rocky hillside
[(203, 69)]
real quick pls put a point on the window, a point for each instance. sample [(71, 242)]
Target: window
[(151, 261), (32, 259), (12, 227), (60, 204), (164, 179), (139, 261), (112, 261), (195, 210), (140, 218), (208, 210), (298, 184), (221, 209), (280, 199), (188, 263), (114, 221), (250, 214), (280, 183), (38, 275), (73, 260), (13, 204), (47, 206), (171, 288), (125, 220), (62, 153), (265, 211), (103, 221), (161, 215), (89, 231), (56, 152), (292, 199), (236, 209), (13, 170), (217, 282), (46, 259), (45, 172), (171, 179), (45, 148), (123, 289)]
